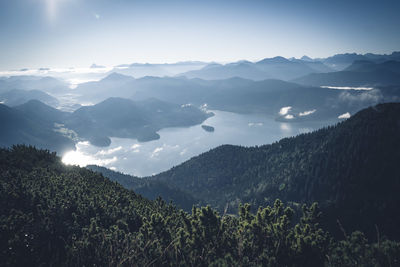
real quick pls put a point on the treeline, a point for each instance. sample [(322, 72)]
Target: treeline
[(55, 215)]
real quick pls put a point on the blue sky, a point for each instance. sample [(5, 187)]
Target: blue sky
[(67, 33)]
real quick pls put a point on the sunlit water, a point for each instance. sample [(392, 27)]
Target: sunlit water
[(177, 145)]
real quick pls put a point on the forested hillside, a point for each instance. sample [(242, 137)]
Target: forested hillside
[(54, 215), (150, 189), (351, 169)]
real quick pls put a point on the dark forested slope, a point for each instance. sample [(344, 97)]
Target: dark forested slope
[(32, 123), (149, 189), (54, 215), (351, 169)]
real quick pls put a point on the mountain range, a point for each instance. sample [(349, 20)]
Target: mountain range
[(17, 97), (37, 124), (242, 95), (342, 61), (46, 84), (358, 74), (268, 68)]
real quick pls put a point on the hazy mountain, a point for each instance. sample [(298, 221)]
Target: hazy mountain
[(37, 110), (275, 68), (246, 70), (342, 61), (117, 78), (17, 97), (303, 102), (284, 69), (369, 66), (373, 77), (139, 70), (30, 124), (118, 117), (317, 66), (246, 96), (113, 85), (306, 58), (176, 90), (46, 84), (378, 58), (95, 66)]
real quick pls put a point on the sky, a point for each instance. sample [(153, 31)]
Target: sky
[(77, 33)]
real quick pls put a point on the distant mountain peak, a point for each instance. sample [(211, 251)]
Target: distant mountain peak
[(211, 65), (273, 60), (306, 58), (117, 77), (95, 66), (36, 105)]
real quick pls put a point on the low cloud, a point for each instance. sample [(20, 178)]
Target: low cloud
[(285, 110), (156, 152), (255, 124), (109, 151), (366, 97), (183, 152), (289, 117), (344, 116), (348, 88), (306, 113), (165, 149)]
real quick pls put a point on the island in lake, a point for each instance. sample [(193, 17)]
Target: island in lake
[(207, 128)]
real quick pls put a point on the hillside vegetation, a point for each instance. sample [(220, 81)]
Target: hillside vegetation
[(69, 216)]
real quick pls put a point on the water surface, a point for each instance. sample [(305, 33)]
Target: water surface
[(177, 145)]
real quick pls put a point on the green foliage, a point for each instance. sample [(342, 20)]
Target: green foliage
[(149, 189), (56, 215)]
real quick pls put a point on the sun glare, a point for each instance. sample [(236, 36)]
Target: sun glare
[(77, 158), (82, 159), (52, 8)]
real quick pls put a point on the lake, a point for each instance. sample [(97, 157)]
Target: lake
[(179, 144)]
